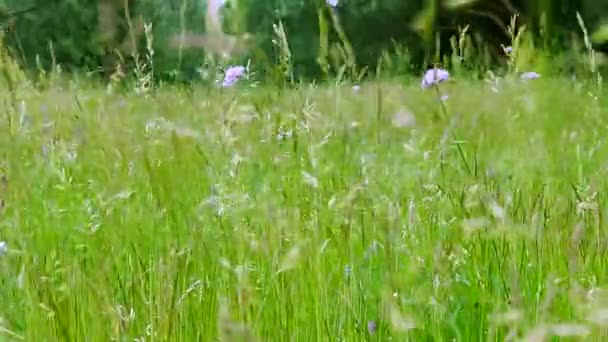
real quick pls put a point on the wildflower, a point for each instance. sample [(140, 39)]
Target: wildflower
[(232, 75), (444, 97), (356, 88), (332, 3), (434, 76), (3, 248), (372, 327), (531, 75), (508, 50)]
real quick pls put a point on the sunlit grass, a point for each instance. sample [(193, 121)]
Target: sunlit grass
[(308, 214)]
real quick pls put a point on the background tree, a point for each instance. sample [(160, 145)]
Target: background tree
[(94, 35)]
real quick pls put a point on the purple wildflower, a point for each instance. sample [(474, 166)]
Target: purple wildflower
[(444, 97), (372, 327), (232, 75), (508, 50), (434, 76), (531, 75)]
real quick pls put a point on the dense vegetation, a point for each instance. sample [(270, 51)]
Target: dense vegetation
[(460, 203), (88, 33)]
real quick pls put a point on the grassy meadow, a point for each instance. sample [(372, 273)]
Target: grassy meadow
[(317, 213)]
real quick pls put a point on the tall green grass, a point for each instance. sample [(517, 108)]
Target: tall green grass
[(308, 214), (292, 211)]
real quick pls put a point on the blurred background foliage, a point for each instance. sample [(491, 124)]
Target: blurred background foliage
[(405, 35)]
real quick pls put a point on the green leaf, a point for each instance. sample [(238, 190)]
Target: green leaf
[(455, 4), (600, 35)]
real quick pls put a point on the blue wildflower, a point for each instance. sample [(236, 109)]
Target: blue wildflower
[(434, 76), (232, 75), (531, 75), (372, 327)]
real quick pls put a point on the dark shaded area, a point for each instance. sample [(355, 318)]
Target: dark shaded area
[(57, 30), (67, 32)]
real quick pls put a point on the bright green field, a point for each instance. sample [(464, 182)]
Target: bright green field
[(305, 214)]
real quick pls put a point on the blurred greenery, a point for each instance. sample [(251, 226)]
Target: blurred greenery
[(67, 32)]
